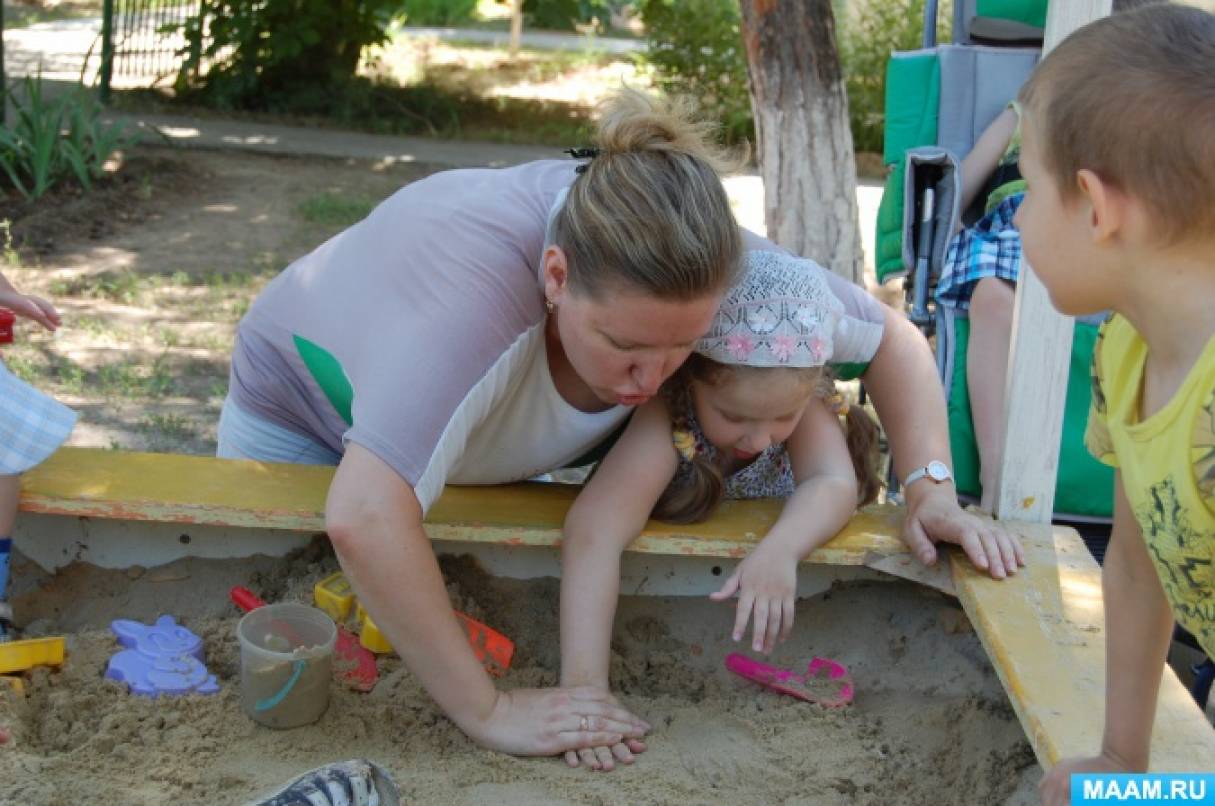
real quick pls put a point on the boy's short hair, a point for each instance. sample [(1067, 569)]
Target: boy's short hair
[(1131, 97)]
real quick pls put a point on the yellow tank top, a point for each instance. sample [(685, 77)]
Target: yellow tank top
[(1168, 468)]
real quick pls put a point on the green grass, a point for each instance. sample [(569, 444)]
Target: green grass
[(334, 210), (173, 427)]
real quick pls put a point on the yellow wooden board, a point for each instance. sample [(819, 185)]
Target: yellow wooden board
[(1044, 632), (173, 488), (1041, 628)]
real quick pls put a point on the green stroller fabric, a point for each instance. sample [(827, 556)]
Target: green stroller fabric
[(1084, 486)]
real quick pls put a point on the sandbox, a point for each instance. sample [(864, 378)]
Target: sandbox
[(930, 723)]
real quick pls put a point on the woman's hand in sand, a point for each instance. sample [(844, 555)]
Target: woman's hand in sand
[(546, 722), (604, 758), (933, 515), (766, 584)]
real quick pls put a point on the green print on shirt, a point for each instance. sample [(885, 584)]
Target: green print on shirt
[(328, 373), (1176, 549)]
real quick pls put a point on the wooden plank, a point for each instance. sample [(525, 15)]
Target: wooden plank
[(1039, 356), (1044, 632), (173, 488)]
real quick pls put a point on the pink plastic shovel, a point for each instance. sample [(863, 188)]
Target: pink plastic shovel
[(825, 682)]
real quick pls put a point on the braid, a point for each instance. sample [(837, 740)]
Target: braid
[(694, 500), (862, 437)]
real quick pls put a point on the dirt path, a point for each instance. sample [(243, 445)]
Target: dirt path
[(153, 274)]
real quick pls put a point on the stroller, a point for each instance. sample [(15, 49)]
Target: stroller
[(939, 99)]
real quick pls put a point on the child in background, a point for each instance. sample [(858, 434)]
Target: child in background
[(32, 426), (1118, 151), (751, 414)]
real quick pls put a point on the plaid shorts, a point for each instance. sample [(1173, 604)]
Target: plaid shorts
[(32, 425), (991, 248)]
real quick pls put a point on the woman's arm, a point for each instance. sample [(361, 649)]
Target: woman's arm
[(825, 498), (375, 522), (608, 514), (902, 379)]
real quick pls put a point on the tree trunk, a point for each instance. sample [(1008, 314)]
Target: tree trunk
[(803, 141)]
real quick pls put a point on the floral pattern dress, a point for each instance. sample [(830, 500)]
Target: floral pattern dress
[(769, 475)]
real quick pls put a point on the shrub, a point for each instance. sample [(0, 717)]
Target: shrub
[(694, 47), (869, 31), (57, 139), (259, 51), (439, 12)]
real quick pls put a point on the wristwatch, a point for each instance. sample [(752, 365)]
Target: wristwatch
[(936, 471)]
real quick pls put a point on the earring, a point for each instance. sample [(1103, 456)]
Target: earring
[(549, 305)]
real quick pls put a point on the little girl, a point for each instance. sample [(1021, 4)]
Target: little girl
[(752, 414), (32, 426)]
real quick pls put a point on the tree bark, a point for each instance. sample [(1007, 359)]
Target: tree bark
[(803, 140)]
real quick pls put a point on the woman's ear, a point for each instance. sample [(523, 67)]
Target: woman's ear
[(556, 274), (1106, 206)]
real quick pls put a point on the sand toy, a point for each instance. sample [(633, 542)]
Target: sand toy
[(161, 658), (21, 656), (354, 664), (334, 595), (826, 682)]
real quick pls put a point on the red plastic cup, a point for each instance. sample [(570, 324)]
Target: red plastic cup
[(6, 326)]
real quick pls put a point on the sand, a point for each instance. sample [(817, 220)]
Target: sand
[(930, 723)]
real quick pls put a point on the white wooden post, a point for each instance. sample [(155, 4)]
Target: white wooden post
[(1039, 355)]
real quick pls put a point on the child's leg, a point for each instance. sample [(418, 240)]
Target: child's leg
[(991, 308)]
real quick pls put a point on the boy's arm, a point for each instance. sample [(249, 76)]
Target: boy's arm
[(1138, 628), (983, 158), (608, 514)]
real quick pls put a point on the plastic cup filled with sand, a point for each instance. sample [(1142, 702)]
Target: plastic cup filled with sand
[(286, 664)]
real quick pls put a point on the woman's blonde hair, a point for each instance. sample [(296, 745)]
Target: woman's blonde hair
[(649, 212), (697, 499)]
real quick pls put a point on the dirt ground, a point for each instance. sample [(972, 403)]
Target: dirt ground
[(930, 723), (153, 271)]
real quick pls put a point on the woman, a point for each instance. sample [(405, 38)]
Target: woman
[(482, 326)]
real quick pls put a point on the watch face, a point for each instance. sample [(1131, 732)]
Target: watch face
[(937, 471)]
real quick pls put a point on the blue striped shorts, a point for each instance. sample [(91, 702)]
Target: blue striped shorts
[(32, 425)]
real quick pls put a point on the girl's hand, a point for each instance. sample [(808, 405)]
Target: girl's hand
[(29, 306), (766, 584), (603, 758)]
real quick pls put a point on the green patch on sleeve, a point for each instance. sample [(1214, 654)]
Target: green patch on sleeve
[(328, 373), (849, 371)]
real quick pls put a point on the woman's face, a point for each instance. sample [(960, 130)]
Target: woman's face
[(626, 344)]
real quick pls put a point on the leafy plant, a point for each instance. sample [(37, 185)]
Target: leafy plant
[(869, 32), (255, 52), (53, 139), (695, 48), (439, 12)]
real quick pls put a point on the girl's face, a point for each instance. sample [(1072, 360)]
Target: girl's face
[(625, 345), (745, 412)]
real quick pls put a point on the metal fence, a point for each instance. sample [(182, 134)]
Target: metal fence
[(143, 39)]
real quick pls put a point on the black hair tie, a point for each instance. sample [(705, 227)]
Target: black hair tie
[(582, 154)]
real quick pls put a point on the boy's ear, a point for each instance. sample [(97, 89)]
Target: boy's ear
[(556, 273), (1106, 205)]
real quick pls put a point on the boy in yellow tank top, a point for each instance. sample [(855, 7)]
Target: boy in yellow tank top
[(1118, 151)]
